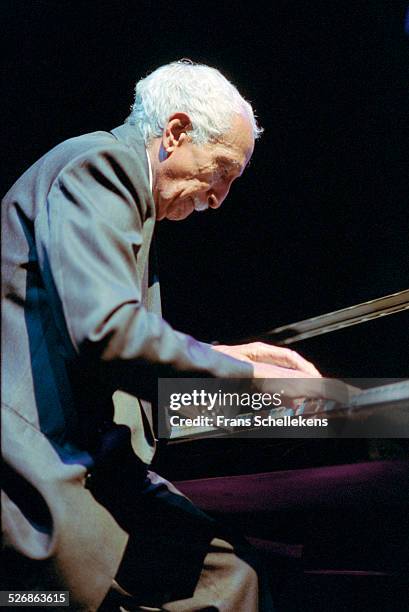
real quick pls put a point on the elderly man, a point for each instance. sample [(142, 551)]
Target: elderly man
[(82, 323)]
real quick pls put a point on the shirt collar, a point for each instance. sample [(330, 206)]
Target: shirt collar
[(150, 170)]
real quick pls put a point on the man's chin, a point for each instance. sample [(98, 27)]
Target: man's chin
[(177, 217), (180, 212)]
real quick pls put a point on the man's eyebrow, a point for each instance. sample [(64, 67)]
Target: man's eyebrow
[(229, 163)]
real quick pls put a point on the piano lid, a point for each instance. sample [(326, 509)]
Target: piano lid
[(332, 321)]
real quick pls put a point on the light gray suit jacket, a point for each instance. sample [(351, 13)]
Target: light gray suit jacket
[(81, 320)]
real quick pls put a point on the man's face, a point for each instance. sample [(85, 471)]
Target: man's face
[(197, 177)]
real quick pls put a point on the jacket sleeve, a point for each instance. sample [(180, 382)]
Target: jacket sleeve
[(89, 238)]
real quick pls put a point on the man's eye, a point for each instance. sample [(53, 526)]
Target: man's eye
[(222, 174)]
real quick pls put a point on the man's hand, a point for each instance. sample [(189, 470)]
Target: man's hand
[(275, 364), (263, 354)]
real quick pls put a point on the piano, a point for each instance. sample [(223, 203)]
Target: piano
[(387, 400), (330, 516)]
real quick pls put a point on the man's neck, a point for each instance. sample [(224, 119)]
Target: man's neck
[(153, 151)]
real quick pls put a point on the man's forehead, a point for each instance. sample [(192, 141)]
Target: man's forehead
[(238, 144)]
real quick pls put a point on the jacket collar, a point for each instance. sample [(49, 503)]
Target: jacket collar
[(131, 136)]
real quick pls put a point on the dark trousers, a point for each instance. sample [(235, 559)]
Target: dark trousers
[(177, 557)]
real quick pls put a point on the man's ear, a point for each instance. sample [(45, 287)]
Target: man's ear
[(176, 131)]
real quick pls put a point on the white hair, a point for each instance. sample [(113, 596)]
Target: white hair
[(203, 93)]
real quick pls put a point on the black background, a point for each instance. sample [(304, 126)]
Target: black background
[(319, 221)]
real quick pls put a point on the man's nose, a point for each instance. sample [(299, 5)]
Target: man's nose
[(215, 200)]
